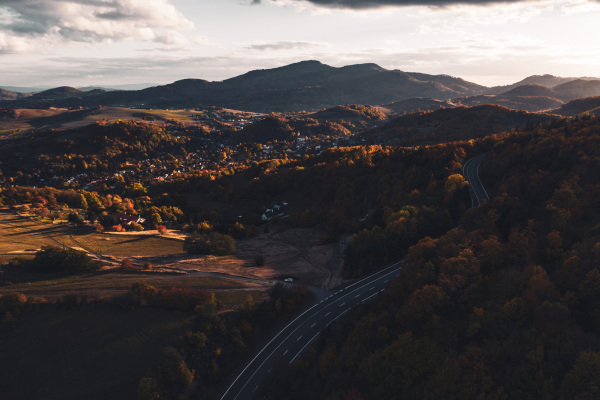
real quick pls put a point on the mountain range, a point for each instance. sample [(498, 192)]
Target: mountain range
[(312, 85)]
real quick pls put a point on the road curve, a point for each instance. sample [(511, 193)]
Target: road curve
[(292, 340), (471, 173)]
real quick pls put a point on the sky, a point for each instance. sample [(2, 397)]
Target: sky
[(112, 42)]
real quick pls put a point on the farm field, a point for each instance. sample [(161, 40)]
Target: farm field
[(25, 120), (24, 236)]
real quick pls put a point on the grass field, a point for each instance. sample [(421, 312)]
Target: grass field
[(24, 236), (61, 118), (107, 284), (96, 352)]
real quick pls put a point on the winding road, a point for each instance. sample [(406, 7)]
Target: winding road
[(471, 172), (292, 340)]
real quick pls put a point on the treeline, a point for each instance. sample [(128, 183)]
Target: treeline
[(504, 307)]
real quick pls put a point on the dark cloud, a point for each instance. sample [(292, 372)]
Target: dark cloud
[(370, 4)]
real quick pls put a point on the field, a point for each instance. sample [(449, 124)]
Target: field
[(24, 236), (62, 118)]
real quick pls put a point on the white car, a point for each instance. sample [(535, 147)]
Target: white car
[(289, 280)]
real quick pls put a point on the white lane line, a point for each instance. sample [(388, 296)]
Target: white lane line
[(358, 295), (373, 295), (328, 313), (299, 337), (342, 305), (302, 349), (372, 288), (285, 352), (392, 269), (313, 325), (261, 351)]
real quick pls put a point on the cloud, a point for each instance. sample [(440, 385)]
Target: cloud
[(373, 4), (56, 21), (277, 46)]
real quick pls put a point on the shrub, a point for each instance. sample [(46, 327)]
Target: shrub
[(126, 263), (213, 244), (55, 259), (161, 229)]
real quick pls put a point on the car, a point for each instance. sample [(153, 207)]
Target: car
[(289, 280)]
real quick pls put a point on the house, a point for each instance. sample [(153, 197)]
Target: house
[(277, 210), (129, 219)]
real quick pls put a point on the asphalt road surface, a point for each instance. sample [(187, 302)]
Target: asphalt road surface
[(471, 172), (292, 340)]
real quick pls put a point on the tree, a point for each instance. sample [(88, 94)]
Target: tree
[(212, 244), (55, 259), (75, 219)]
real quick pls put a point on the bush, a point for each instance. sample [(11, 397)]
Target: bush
[(55, 259), (126, 263), (213, 244), (161, 229)]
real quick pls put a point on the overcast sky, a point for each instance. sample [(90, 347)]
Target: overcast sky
[(104, 42)]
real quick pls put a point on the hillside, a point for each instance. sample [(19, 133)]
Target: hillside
[(418, 104), (10, 95), (549, 81), (579, 106), (445, 125), (504, 307)]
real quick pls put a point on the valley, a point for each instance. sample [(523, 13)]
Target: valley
[(380, 223)]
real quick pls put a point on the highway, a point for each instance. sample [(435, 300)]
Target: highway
[(292, 340), (471, 172)]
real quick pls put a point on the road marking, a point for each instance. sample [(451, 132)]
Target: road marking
[(358, 295), (386, 281), (285, 352), (302, 349), (256, 387), (341, 305), (328, 313), (372, 288), (313, 325), (299, 338), (373, 295)]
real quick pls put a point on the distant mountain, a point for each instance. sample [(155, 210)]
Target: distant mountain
[(521, 103), (577, 89), (306, 85), (10, 95), (549, 81), (131, 86), (312, 85), (529, 90), (573, 108), (450, 124)]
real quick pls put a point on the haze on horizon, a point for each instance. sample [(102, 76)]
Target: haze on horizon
[(104, 42)]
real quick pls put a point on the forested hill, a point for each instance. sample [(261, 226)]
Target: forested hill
[(505, 307), (451, 124)]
